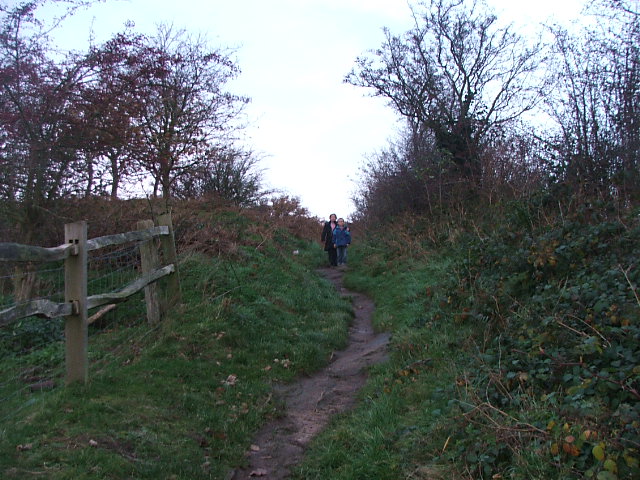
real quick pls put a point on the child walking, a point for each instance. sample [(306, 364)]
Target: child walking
[(341, 239)]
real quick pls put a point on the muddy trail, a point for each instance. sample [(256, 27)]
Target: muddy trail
[(310, 402)]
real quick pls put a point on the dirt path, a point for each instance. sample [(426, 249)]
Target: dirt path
[(311, 401)]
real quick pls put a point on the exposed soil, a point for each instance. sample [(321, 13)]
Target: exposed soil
[(311, 401)]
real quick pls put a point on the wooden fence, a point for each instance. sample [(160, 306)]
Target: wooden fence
[(74, 253)]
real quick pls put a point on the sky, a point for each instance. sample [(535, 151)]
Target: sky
[(312, 131)]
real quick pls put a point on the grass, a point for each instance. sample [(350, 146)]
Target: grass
[(512, 357), (466, 394), (182, 401), (400, 428)]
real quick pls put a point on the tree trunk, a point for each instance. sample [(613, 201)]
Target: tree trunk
[(90, 172), (115, 176)]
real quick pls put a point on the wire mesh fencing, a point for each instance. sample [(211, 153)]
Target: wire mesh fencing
[(33, 347)]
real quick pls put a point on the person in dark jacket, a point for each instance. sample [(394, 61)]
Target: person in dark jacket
[(327, 238), (341, 240)]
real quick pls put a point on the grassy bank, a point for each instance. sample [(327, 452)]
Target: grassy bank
[(514, 355), (401, 426), (182, 400)]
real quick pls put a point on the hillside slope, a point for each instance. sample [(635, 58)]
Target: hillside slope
[(515, 354)]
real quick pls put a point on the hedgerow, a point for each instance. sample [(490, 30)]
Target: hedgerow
[(555, 369)]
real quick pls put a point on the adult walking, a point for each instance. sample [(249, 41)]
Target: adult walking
[(327, 238)]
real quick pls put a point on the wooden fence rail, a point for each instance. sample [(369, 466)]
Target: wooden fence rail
[(15, 252), (77, 303)]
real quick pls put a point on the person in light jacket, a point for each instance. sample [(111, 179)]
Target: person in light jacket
[(341, 240)]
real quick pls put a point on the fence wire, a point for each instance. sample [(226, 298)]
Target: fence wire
[(112, 270), (20, 284), (32, 349)]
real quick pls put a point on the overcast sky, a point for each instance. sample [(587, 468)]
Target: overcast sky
[(312, 130)]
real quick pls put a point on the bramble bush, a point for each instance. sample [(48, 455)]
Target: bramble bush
[(557, 369)]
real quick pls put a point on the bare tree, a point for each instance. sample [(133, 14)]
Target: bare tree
[(185, 109), (457, 74), (408, 176), (231, 175), (595, 103), (622, 49), (403, 177)]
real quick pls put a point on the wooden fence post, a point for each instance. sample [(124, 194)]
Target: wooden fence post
[(173, 293), (75, 292), (149, 261)]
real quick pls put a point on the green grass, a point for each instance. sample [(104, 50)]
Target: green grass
[(512, 356), (467, 393), (183, 400), (401, 427)]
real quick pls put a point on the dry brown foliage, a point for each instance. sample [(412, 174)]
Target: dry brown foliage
[(206, 224)]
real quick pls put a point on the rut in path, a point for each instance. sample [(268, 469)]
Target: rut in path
[(311, 401)]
